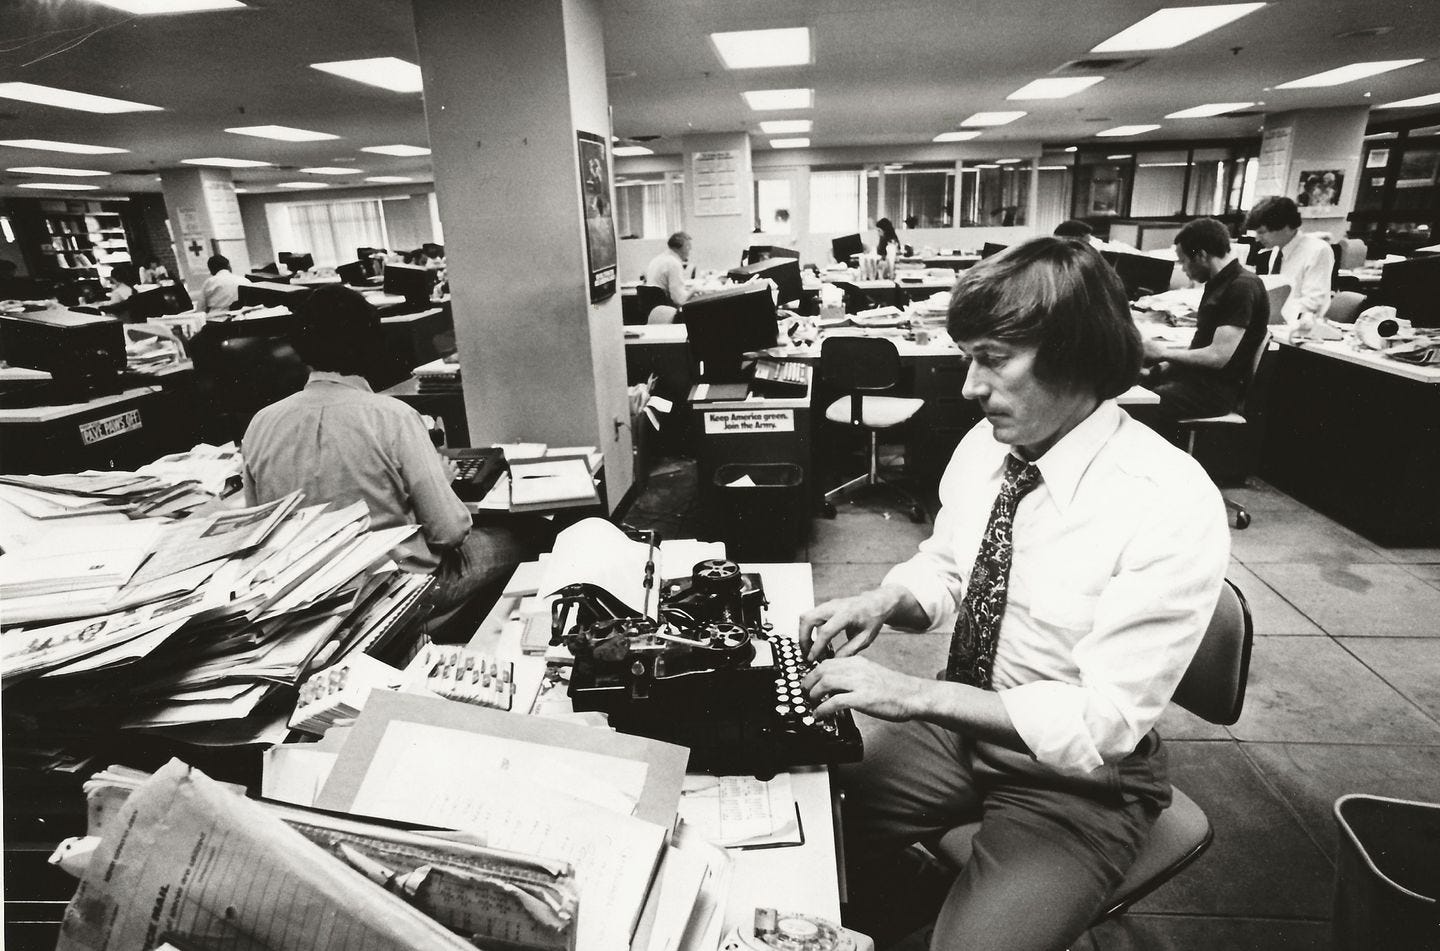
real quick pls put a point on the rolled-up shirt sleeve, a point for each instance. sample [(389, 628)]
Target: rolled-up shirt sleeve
[(1149, 620), (934, 575), (443, 518)]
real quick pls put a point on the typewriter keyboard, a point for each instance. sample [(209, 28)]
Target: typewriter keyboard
[(791, 703)]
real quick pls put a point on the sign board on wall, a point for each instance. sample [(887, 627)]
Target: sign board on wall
[(1272, 172), (736, 422), (599, 216), (716, 182)]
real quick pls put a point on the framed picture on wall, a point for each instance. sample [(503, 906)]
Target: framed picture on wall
[(599, 215), (1318, 192), (1104, 196)]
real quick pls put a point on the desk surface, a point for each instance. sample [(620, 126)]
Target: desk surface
[(801, 878), (1346, 351), (45, 414)]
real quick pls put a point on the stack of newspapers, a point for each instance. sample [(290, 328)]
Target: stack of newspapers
[(426, 824), (198, 629)]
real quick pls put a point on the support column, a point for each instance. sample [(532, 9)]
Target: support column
[(204, 220), (508, 84), (719, 197), (1314, 140)]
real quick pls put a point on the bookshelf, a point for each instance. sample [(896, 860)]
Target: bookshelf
[(79, 240)]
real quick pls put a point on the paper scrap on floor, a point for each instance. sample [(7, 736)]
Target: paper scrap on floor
[(741, 811)]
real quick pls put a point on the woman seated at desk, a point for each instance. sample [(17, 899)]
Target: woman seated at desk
[(338, 442), (122, 287)]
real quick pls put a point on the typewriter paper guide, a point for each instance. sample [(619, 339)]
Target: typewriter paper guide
[(595, 551)]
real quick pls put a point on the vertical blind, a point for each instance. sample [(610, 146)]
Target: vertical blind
[(835, 202), (331, 231)]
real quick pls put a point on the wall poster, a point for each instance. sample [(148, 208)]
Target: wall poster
[(1272, 168), (1317, 192), (599, 215), (716, 182)]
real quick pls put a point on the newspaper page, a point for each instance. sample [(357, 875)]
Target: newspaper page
[(189, 862)]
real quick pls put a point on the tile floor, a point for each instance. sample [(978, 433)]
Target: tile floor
[(1344, 696)]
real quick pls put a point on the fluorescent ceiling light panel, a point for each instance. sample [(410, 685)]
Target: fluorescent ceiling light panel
[(66, 99), (388, 179), (1072, 149), (1429, 100), (752, 49), (298, 185), (1007, 161), (785, 126), (284, 133), (387, 72), (1163, 164), (987, 165), (1170, 27), (75, 148), (61, 186), (763, 99), (225, 162), (801, 143), (624, 151), (148, 7), (1116, 158), (1208, 110), (992, 118), (956, 136), (403, 151), (1348, 74), (331, 170), (49, 170), (1057, 88), (1128, 130)]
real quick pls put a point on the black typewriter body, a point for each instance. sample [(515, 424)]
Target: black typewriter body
[(709, 675)]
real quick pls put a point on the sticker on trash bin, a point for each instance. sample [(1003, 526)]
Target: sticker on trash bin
[(750, 421)]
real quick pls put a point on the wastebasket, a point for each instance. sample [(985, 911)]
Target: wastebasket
[(759, 509), (1387, 877)]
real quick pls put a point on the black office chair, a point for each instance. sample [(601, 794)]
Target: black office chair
[(1245, 422), (647, 298), (1213, 689), (862, 368)]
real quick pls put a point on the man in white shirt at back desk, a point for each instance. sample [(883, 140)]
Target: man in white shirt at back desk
[(221, 289), (1303, 260), (667, 269)]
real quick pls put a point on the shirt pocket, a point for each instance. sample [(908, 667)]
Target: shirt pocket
[(1070, 610)]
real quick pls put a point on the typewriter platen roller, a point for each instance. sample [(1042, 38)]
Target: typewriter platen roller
[(708, 674)]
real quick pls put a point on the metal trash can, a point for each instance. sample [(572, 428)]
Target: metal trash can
[(759, 519), (1387, 877)]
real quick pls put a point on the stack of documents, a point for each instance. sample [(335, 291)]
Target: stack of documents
[(207, 640), (438, 376)]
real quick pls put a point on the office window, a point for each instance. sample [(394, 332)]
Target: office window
[(993, 194), (649, 205), (773, 205), (912, 195), (836, 204), (1209, 184), (331, 231), (1052, 199)]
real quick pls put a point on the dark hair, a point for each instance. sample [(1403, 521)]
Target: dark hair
[(218, 263), (677, 241), (1273, 213), (1204, 234), (1060, 296), (338, 330), (1073, 228), (887, 229), (124, 274)]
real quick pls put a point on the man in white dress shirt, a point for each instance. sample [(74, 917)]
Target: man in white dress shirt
[(1306, 262), (1075, 603), (221, 289), (667, 269)]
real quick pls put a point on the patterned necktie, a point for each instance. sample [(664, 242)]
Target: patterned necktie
[(977, 631)]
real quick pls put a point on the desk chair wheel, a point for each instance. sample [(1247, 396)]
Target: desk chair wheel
[(917, 514), (1242, 517), (827, 509)]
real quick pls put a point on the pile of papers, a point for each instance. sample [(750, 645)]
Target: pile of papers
[(426, 823), (439, 376), (199, 629)]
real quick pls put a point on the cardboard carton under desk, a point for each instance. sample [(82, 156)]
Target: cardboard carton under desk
[(751, 430)]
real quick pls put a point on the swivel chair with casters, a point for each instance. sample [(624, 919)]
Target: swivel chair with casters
[(1213, 688), (862, 368), (1245, 420)]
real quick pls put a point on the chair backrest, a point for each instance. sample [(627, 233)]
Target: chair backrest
[(648, 297), (1279, 294), (1345, 307), (859, 364), (1213, 687), (1250, 396), (1353, 253)]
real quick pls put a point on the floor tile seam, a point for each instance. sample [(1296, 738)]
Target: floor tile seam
[(1190, 915), (1289, 806), (1345, 743), (1298, 610), (1423, 712)]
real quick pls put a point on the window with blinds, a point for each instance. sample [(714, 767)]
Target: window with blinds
[(331, 231)]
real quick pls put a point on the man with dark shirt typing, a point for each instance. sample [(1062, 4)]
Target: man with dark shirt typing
[(1207, 378)]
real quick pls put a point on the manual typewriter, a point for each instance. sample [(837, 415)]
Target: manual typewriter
[(708, 674)]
